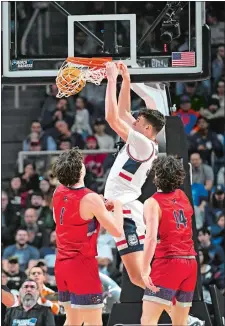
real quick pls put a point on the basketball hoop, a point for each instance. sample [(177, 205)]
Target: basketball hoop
[(76, 72)]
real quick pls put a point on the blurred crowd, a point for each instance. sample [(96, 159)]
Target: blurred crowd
[(28, 229)]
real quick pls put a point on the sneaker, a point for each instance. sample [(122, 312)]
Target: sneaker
[(194, 321)]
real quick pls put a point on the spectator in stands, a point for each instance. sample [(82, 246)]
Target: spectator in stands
[(65, 144), (207, 273), (48, 253), (201, 173), (217, 28), (217, 199), (64, 133), (30, 178), (205, 142), (47, 143), (82, 120), (29, 312), (10, 221), (220, 90), (218, 64), (47, 192), (16, 193), (37, 235), (190, 89), (37, 274), (105, 141), (26, 254), (94, 162), (60, 113), (187, 114), (215, 116), (15, 276), (220, 176), (51, 101), (200, 214), (105, 257), (44, 213), (49, 280), (217, 230), (216, 253)]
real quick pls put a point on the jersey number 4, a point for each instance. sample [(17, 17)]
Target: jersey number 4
[(180, 218)]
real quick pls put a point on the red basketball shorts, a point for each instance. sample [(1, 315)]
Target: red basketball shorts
[(78, 282), (176, 278)]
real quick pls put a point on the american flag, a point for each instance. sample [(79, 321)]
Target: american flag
[(183, 59)]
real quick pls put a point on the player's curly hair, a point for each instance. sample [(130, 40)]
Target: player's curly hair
[(168, 173), (68, 166), (155, 118)]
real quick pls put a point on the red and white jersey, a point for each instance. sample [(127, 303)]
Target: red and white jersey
[(130, 169), (175, 227)]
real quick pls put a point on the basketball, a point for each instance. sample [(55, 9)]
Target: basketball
[(68, 81)]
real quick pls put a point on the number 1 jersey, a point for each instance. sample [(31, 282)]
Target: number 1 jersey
[(175, 226), (74, 235)]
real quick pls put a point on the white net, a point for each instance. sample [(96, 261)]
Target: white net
[(72, 78)]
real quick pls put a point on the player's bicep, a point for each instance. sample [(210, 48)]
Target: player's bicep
[(151, 217), (120, 127)]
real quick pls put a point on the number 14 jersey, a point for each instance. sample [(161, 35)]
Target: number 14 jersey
[(175, 226)]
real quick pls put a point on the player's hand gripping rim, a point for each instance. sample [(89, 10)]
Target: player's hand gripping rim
[(111, 71), (148, 282), (124, 71)]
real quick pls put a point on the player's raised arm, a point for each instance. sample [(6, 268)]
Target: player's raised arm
[(113, 223), (151, 216), (111, 107), (124, 102)]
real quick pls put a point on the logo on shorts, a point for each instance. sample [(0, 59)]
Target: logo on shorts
[(96, 299), (132, 239)]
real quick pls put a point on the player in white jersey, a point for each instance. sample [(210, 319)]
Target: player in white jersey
[(131, 167)]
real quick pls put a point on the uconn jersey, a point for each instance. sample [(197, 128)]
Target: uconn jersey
[(130, 169)]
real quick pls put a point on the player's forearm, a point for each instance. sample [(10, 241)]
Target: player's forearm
[(149, 250), (111, 106), (124, 103)]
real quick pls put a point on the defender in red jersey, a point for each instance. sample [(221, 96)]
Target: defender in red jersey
[(78, 213), (168, 216)]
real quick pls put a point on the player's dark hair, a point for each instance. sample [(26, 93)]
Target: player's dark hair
[(67, 168), (155, 118), (168, 173)]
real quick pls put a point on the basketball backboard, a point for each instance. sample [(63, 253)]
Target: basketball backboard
[(37, 40)]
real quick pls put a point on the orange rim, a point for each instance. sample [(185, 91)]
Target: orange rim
[(90, 62)]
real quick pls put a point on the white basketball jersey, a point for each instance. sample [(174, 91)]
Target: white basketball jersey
[(130, 169)]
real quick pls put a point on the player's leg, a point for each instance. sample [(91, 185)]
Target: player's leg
[(184, 296), (130, 245), (179, 315), (77, 317), (85, 292), (151, 312), (64, 295), (133, 262)]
